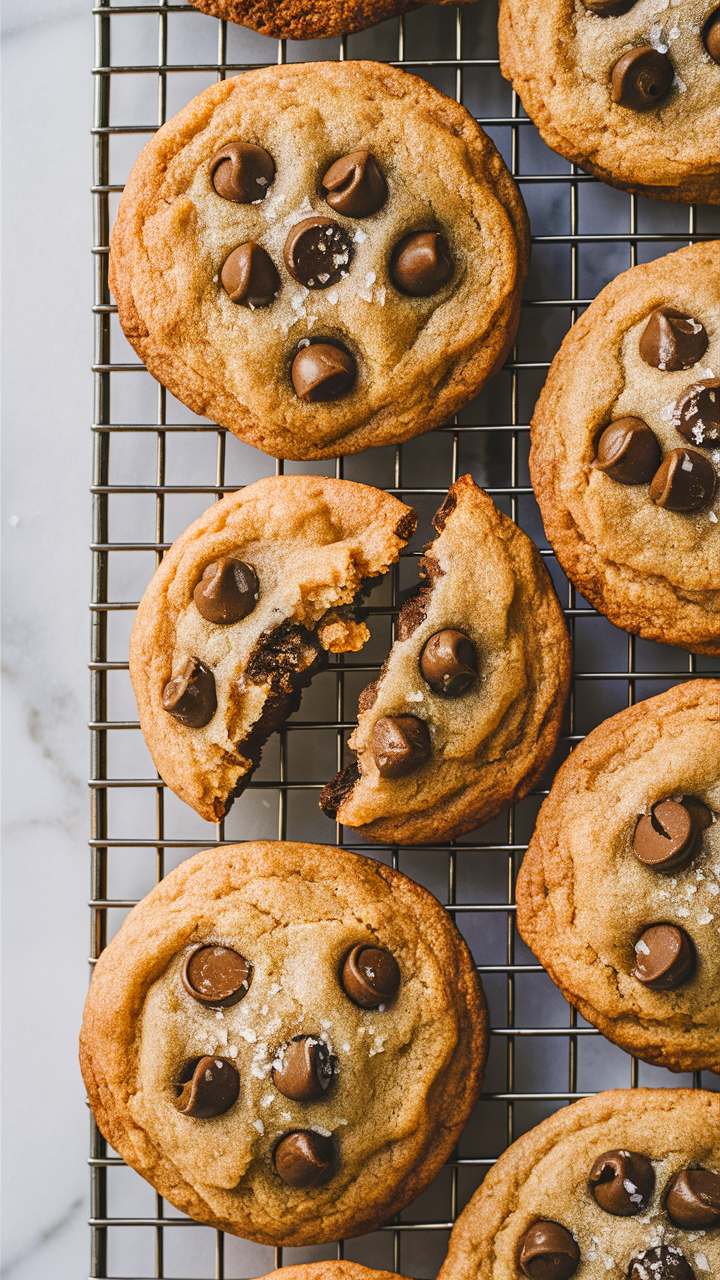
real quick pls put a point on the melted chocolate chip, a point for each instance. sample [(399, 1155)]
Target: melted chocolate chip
[(684, 481), (622, 1182), (628, 451), (665, 957), (207, 1087), (370, 976), (318, 252), (242, 172), (698, 810), (697, 413), (304, 1158), (693, 1199), (249, 276), (322, 372), (306, 1069), (227, 591), (216, 976), (608, 8), (711, 36), (355, 185), (449, 663), (400, 744), (549, 1252), (421, 263), (190, 696), (641, 78), (666, 838), (665, 1262), (672, 340)]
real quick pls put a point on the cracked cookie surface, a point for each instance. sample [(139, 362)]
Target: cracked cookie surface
[(407, 1071), (414, 360), (544, 1176), (585, 899), (485, 578), (309, 19), (310, 542), (560, 57), (649, 569)]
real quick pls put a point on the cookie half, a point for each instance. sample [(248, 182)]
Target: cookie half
[(619, 892), (333, 1269), (627, 91), (321, 257), (241, 614), (625, 450), (599, 1190), (309, 19), (468, 707), (286, 1040)]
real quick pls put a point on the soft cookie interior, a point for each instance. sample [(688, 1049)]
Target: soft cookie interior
[(309, 543), (483, 579)]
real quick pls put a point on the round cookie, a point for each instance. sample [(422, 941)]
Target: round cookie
[(540, 1214), (619, 893), (239, 616), (321, 257), (626, 88), (309, 19), (468, 707), (336, 997), (641, 550), (333, 1269)]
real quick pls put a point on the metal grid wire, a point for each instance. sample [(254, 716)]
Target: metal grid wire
[(156, 467)]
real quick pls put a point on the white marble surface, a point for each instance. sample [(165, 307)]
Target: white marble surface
[(46, 525)]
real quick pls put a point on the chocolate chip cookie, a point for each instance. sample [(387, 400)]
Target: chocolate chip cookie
[(626, 449), (467, 710), (321, 257), (241, 614), (333, 1269), (619, 892), (627, 89), (621, 1186), (285, 1040), (309, 19)]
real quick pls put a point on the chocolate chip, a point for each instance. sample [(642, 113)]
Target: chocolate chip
[(628, 451), (449, 663), (227, 591), (672, 340), (355, 185), (608, 8), (249, 276), (693, 1199), (400, 744), (421, 263), (304, 1158), (216, 976), (711, 36), (641, 78), (666, 838), (699, 812), (549, 1252), (684, 481), (665, 1262), (207, 1087), (697, 413), (322, 371), (665, 957), (370, 976), (622, 1182), (306, 1069), (190, 696), (242, 172), (318, 252)]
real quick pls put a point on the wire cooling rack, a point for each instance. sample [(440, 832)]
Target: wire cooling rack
[(157, 466)]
